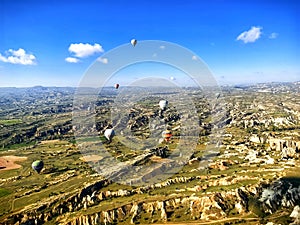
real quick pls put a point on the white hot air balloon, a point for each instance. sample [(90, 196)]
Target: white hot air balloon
[(117, 86), (133, 42), (109, 134), (163, 104)]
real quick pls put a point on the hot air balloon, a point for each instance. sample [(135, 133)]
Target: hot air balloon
[(163, 104), (167, 134), (109, 134), (37, 165), (117, 86), (133, 42)]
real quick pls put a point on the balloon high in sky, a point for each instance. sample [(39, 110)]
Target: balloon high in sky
[(133, 42)]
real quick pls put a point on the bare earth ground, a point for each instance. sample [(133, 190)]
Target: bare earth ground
[(8, 162), (91, 158)]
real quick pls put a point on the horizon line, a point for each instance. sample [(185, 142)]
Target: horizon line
[(111, 86)]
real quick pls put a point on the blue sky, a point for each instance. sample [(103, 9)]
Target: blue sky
[(53, 43)]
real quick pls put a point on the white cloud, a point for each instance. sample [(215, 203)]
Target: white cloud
[(251, 35), (84, 50), (18, 57), (162, 47), (103, 60), (72, 60), (273, 35), (194, 57)]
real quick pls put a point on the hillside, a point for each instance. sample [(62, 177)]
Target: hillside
[(231, 160)]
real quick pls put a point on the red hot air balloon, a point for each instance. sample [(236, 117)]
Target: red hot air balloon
[(167, 134)]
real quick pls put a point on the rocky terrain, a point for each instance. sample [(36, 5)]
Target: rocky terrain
[(243, 169)]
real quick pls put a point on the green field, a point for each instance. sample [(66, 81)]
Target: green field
[(205, 190), (10, 122)]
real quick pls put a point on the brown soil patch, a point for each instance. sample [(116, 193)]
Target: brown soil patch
[(159, 159), (91, 158), (8, 162)]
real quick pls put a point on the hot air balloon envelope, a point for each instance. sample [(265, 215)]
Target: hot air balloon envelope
[(133, 42), (167, 134), (37, 165), (109, 134), (163, 104), (117, 86)]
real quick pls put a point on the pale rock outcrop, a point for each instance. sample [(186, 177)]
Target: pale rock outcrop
[(162, 207), (136, 209), (296, 215)]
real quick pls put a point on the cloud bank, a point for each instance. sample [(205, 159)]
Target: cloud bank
[(84, 50), (251, 35), (81, 50), (18, 57), (72, 60)]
